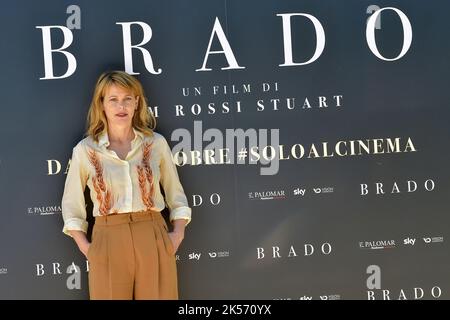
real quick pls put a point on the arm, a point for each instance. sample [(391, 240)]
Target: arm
[(180, 212), (73, 204), (81, 240), (179, 227)]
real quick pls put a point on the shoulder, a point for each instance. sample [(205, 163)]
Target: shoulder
[(157, 138), (83, 144)]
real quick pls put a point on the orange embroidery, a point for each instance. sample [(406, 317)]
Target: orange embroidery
[(145, 175), (103, 194)]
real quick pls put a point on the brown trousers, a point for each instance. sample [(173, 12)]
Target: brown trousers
[(132, 257)]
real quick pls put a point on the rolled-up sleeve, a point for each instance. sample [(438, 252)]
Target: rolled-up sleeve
[(73, 204), (175, 197)]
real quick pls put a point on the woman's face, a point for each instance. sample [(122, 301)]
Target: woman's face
[(119, 105)]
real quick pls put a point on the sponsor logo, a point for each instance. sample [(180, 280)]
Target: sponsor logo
[(429, 240), (219, 254), (3, 270), (44, 210), (330, 297), (267, 195), (318, 190), (409, 241), (323, 190), (377, 244), (299, 192), (194, 256), (426, 240)]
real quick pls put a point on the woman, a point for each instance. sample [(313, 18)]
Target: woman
[(123, 161)]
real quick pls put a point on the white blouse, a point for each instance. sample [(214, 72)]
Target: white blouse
[(120, 186)]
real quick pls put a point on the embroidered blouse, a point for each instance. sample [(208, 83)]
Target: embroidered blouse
[(120, 186)]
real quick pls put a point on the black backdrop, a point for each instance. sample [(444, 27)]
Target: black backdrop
[(320, 227)]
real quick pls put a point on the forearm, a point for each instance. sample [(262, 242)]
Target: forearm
[(179, 225)]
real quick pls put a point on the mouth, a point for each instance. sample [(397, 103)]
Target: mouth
[(121, 115)]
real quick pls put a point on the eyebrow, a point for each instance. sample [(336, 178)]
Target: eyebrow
[(114, 96)]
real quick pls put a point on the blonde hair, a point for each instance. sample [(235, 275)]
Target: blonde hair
[(143, 120)]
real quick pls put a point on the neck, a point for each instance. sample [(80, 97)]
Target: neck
[(120, 134)]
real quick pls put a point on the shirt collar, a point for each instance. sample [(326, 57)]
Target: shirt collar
[(104, 139)]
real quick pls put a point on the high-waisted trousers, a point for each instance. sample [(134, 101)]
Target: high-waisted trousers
[(132, 257)]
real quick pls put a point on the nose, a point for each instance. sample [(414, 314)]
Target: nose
[(123, 104)]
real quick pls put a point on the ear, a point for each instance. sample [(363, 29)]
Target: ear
[(137, 103)]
